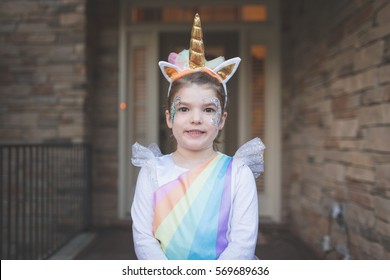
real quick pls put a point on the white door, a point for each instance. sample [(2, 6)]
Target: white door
[(260, 110), (138, 122)]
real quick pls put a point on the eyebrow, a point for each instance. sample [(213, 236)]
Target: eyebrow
[(205, 104), (210, 104), (181, 102)]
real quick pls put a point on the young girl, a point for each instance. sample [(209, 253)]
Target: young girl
[(196, 203)]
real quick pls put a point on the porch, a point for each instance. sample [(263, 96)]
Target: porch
[(116, 243), (45, 211)]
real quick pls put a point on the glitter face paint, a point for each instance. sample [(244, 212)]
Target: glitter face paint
[(216, 118), (174, 105)]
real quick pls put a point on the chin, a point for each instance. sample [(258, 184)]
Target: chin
[(194, 146)]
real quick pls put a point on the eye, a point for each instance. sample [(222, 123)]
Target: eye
[(209, 110), (183, 109)]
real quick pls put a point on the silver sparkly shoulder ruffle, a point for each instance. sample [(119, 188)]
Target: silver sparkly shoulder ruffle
[(142, 156), (146, 157), (251, 153)]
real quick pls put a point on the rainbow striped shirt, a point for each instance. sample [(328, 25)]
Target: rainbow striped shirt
[(191, 213)]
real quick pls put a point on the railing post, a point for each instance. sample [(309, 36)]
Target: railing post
[(87, 160)]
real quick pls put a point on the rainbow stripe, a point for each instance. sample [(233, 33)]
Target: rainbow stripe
[(192, 212)]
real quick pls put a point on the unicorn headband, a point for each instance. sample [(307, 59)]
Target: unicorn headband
[(193, 60)]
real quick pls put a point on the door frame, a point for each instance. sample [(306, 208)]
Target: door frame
[(267, 34)]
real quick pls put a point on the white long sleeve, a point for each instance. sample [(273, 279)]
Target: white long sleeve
[(243, 232), (145, 245)]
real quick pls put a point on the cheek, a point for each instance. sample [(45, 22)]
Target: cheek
[(179, 118), (216, 119), (212, 122)]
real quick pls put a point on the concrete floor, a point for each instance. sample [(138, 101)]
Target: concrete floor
[(116, 243)]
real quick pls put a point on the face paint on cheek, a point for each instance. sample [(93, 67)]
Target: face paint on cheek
[(174, 105), (216, 118)]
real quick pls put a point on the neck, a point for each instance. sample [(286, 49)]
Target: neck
[(189, 159)]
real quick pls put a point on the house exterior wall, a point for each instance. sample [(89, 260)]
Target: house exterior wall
[(103, 30), (43, 71), (336, 122), (58, 83)]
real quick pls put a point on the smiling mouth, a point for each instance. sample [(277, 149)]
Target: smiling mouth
[(195, 132)]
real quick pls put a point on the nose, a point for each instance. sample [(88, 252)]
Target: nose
[(196, 117)]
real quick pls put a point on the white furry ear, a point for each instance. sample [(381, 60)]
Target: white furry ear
[(227, 69), (169, 70)]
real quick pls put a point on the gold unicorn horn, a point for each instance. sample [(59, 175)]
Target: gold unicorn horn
[(197, 58)]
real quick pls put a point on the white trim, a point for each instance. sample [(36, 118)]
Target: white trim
[(244, 91), (272, 139), (128, 174), (152, 89)]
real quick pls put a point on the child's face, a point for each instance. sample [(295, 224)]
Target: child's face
[(196, 117)]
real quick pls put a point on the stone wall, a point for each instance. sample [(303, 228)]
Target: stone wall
[(103, 22), (59, 83), (336, 123), (42, 71)]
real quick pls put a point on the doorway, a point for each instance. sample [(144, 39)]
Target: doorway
[(254, 96)]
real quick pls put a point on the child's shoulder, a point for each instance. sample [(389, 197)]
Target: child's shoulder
[(164, 160)]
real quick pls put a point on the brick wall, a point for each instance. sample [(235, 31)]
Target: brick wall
[(42, 71), (336, 122)]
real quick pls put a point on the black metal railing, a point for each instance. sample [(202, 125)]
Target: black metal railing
[(45, 197)]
